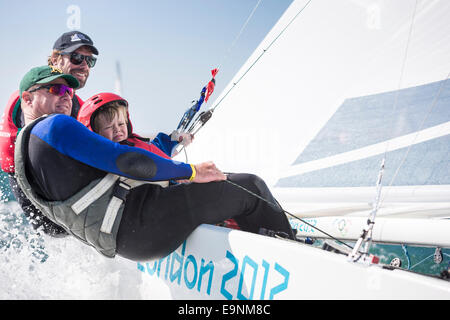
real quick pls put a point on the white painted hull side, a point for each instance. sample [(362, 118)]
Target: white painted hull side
[(220, 263)]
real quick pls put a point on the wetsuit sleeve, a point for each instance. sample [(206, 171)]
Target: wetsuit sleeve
[(71, 138), (164, 143)]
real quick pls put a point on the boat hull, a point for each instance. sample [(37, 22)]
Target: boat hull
[(220, 263)]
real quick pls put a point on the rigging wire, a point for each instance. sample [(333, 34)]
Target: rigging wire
[(239, 34), (199, 122), (402, 71), (262, 53), (199, 119), (430, 109), (433, 104), (425, 259), (365, 238), (278, 206)]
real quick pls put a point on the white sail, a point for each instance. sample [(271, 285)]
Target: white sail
[(334, 55), (334, 88)]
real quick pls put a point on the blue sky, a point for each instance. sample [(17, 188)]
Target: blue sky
[(166, 49)]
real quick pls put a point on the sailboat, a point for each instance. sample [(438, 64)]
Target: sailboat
[(344, 110)]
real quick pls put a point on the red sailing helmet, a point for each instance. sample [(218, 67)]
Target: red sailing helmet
[(94, 103)]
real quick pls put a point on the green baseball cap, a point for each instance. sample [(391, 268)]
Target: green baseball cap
[(45, 74)]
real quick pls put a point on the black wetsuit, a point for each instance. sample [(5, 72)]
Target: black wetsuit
[(64, 156)]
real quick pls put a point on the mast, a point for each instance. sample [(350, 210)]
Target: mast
[(365, 239), (118, 82)]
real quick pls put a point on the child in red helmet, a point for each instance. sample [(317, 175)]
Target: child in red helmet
[(107, 114), (111, 122)]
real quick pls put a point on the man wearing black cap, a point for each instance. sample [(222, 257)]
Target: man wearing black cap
[(73, 53)]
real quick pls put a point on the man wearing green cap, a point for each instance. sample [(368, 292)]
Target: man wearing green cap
[(46, 90), (73, 53), (43, 90)]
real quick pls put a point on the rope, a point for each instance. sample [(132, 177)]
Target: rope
[(278, 206), (422, 261), (402, 70)]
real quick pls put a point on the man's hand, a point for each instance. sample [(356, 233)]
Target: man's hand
[(206, 172)]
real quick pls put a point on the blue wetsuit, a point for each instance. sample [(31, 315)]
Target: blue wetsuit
[(63, 157), (65, 147)]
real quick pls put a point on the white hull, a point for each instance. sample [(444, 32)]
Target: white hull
[(220, 263)]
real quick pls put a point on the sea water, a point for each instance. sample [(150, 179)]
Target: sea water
[(36, 266)]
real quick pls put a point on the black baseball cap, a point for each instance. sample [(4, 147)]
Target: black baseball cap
[(71, 41)]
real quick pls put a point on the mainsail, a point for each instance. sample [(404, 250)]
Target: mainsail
[(334, 90), (347, 84)]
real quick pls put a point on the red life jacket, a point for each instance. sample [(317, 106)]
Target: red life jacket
[(139, 142), (95, 102), (8, 133), (9, 130), (143, 143)]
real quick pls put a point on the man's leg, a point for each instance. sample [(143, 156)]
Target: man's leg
[(157, 220)]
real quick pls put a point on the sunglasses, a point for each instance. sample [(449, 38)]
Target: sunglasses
[(77, 58), (56, 89)]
